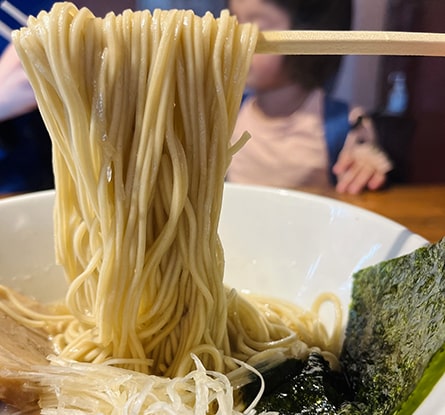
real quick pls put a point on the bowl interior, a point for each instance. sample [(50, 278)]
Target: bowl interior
[(294, 245), (280, 243), (286, 244)]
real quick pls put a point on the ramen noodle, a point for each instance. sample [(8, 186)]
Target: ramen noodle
[(140, 108)]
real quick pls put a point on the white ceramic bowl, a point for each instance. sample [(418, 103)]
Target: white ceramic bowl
[(287, 244)]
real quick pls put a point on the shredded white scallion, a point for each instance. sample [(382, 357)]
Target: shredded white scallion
[(74, 388)]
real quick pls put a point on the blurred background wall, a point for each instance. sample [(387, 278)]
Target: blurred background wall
[(360, 74), (101, 7), (198, 6)]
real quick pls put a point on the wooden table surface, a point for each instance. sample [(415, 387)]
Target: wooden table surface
[(420, 208)]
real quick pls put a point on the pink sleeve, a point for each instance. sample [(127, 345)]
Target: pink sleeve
[(16, 94)]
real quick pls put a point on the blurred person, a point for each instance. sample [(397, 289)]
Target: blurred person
[(16, 94), (25, 146), (300, 135)]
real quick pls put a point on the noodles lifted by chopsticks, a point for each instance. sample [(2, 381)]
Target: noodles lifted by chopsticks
[(140, 108)]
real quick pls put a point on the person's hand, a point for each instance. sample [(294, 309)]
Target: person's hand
[(359, 167)]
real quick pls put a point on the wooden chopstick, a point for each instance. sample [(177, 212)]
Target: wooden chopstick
[(312, 42)]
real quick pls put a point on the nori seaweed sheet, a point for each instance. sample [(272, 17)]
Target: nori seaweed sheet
[(396, 325), (308, 387)]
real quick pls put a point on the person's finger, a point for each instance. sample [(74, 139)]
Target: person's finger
[(344, 162), (357, 180), (345, 179), (363, 167), (361, 180), (377, 180)]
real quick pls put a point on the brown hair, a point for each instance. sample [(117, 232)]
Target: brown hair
[(313, 71)]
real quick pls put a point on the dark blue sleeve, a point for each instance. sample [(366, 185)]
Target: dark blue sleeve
[(336, 126), (25, 146), (28, 7)]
